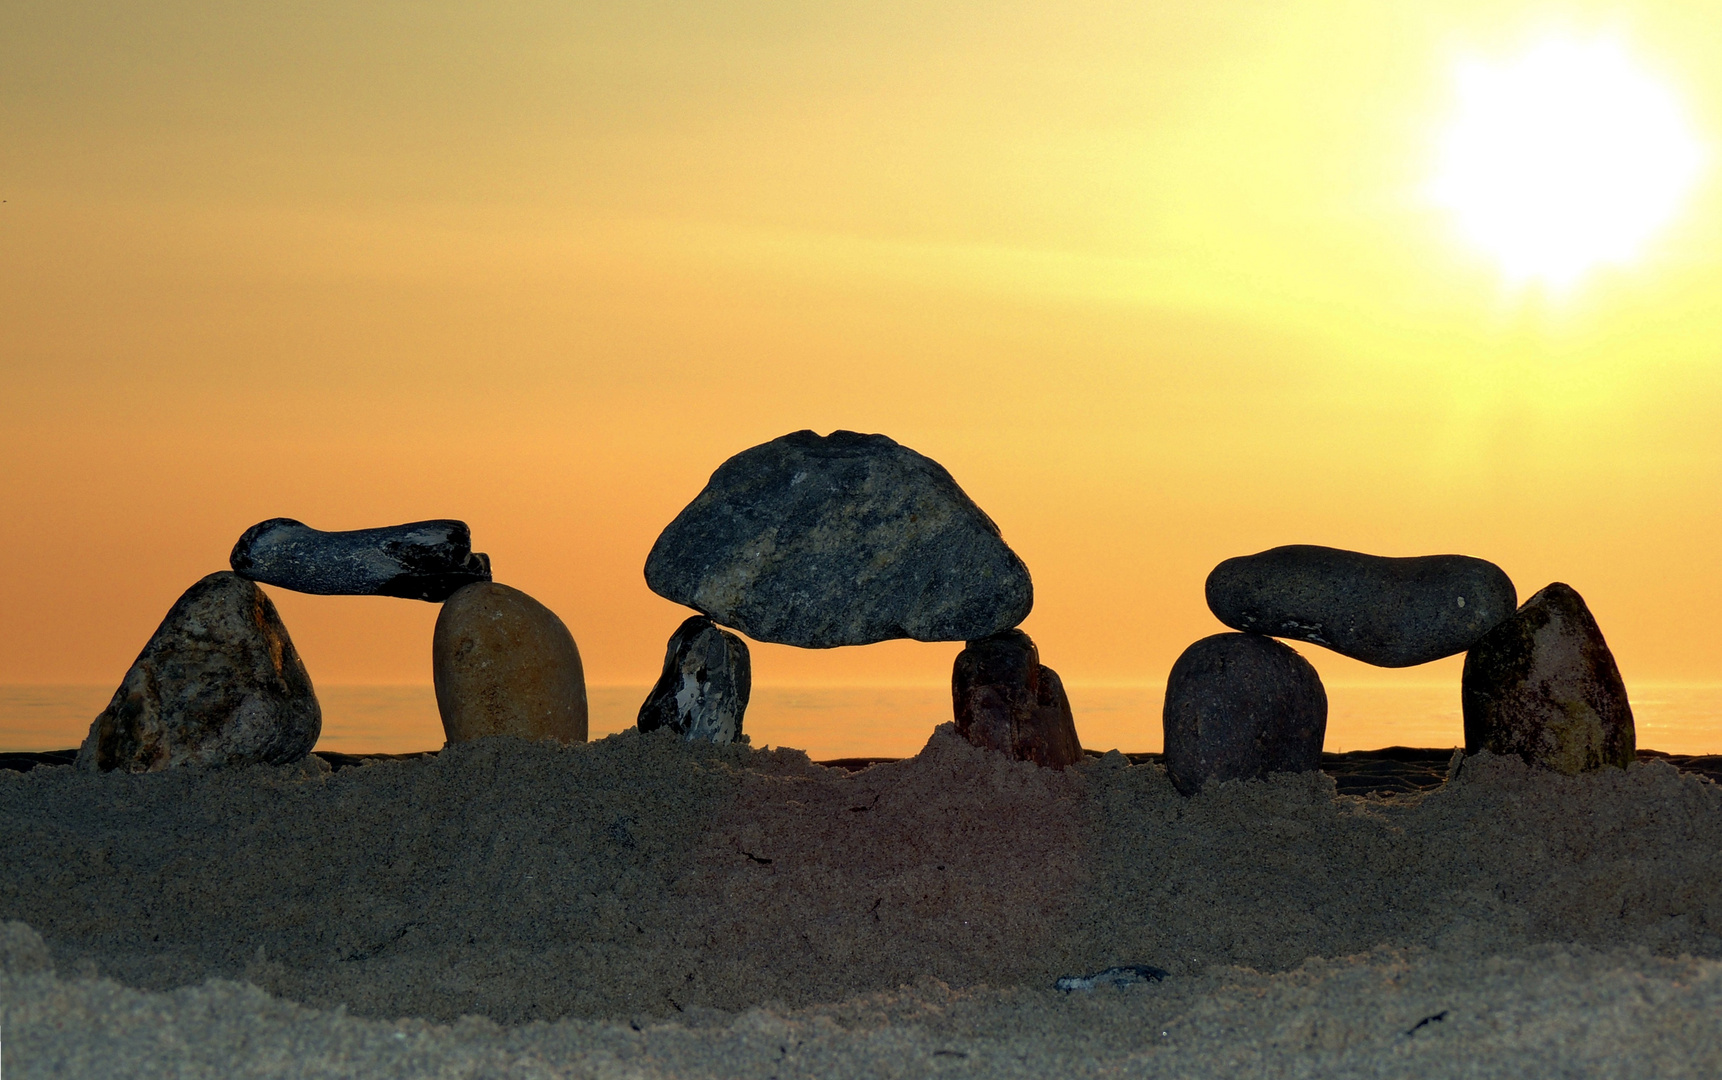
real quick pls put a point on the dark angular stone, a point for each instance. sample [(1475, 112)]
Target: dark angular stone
[(702, 694), (1390, 612), (1543, 685), (219, 683), (1005, 699), (844, 539), (421, 560), (1241, 706)]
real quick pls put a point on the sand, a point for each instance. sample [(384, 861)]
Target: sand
[(638, 907)]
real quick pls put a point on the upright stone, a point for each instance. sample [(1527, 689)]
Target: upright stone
[(504, 664), (422, 560), (844, 539), (1389, 612), (1241, 706), (1543, 685), (1005, 699), (703, 691), (219, 683)]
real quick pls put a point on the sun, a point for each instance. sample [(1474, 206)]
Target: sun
[(1563, 159)]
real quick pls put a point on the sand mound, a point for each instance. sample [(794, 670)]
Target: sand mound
[(695, 891)]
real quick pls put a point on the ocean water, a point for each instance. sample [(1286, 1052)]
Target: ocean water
[(886, 721)]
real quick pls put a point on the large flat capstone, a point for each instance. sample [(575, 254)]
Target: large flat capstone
[(219, 683), (421, 560), (1384, 611), (845, 539)]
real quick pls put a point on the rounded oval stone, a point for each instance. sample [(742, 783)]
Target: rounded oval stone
[(218, 683), (1384, 611), (504, 664), (1544, 685), (1241, 706), (841, 539)]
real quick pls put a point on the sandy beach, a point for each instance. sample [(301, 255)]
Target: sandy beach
[(642, 907)]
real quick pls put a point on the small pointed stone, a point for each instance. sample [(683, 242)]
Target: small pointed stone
[(1241, 706), (219, 683), (1389, 612), (1543, 685), (421, 560), (1005, 699), (703, 691), (504, 664)]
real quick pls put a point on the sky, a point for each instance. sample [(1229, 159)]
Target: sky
[(1159, 283)]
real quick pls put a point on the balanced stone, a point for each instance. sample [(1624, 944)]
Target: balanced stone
[(1005, 699), (504, 664), (1543, 685), (219, 683), (703, 691), (1389, 612), (1241, 706), (844, 539), (421, 560)]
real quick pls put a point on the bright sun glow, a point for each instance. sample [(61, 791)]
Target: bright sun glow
[(1563, 159)]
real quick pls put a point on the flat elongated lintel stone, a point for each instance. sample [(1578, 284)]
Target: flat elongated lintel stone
[(421, 560), (846, 539), (1544, 685), (1392, 612)]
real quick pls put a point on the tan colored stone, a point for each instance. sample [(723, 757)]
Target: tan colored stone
[(504, 664)]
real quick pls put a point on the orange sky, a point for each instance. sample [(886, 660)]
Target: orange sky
[(1152, 280)]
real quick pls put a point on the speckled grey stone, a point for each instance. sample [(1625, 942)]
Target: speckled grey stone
[(703, 691), (1238, 707), (1389, 612), (1005, 699), (219, 683), (1544, 685), (421, 560), (844, 539)]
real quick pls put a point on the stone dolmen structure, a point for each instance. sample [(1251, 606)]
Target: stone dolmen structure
[(1538, 682), (844, 539), (219, 683)]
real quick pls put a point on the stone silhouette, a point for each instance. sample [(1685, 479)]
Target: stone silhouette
[(703, 691), (1543, 685), (1389, 612), (422, 560), (844, 539), (1005, 699), (1238, 707), (219, 683)]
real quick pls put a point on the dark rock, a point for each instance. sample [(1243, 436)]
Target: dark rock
[(1241, 706), (702, 694), (219, 683), (1005, 699), (1544, 686), (845, 539), (504, 664), (1390, 612), (421, 560)]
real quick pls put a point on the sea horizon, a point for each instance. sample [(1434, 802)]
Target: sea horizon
[(844, 720)]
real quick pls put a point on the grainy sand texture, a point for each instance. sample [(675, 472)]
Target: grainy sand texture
[(642, 907)]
